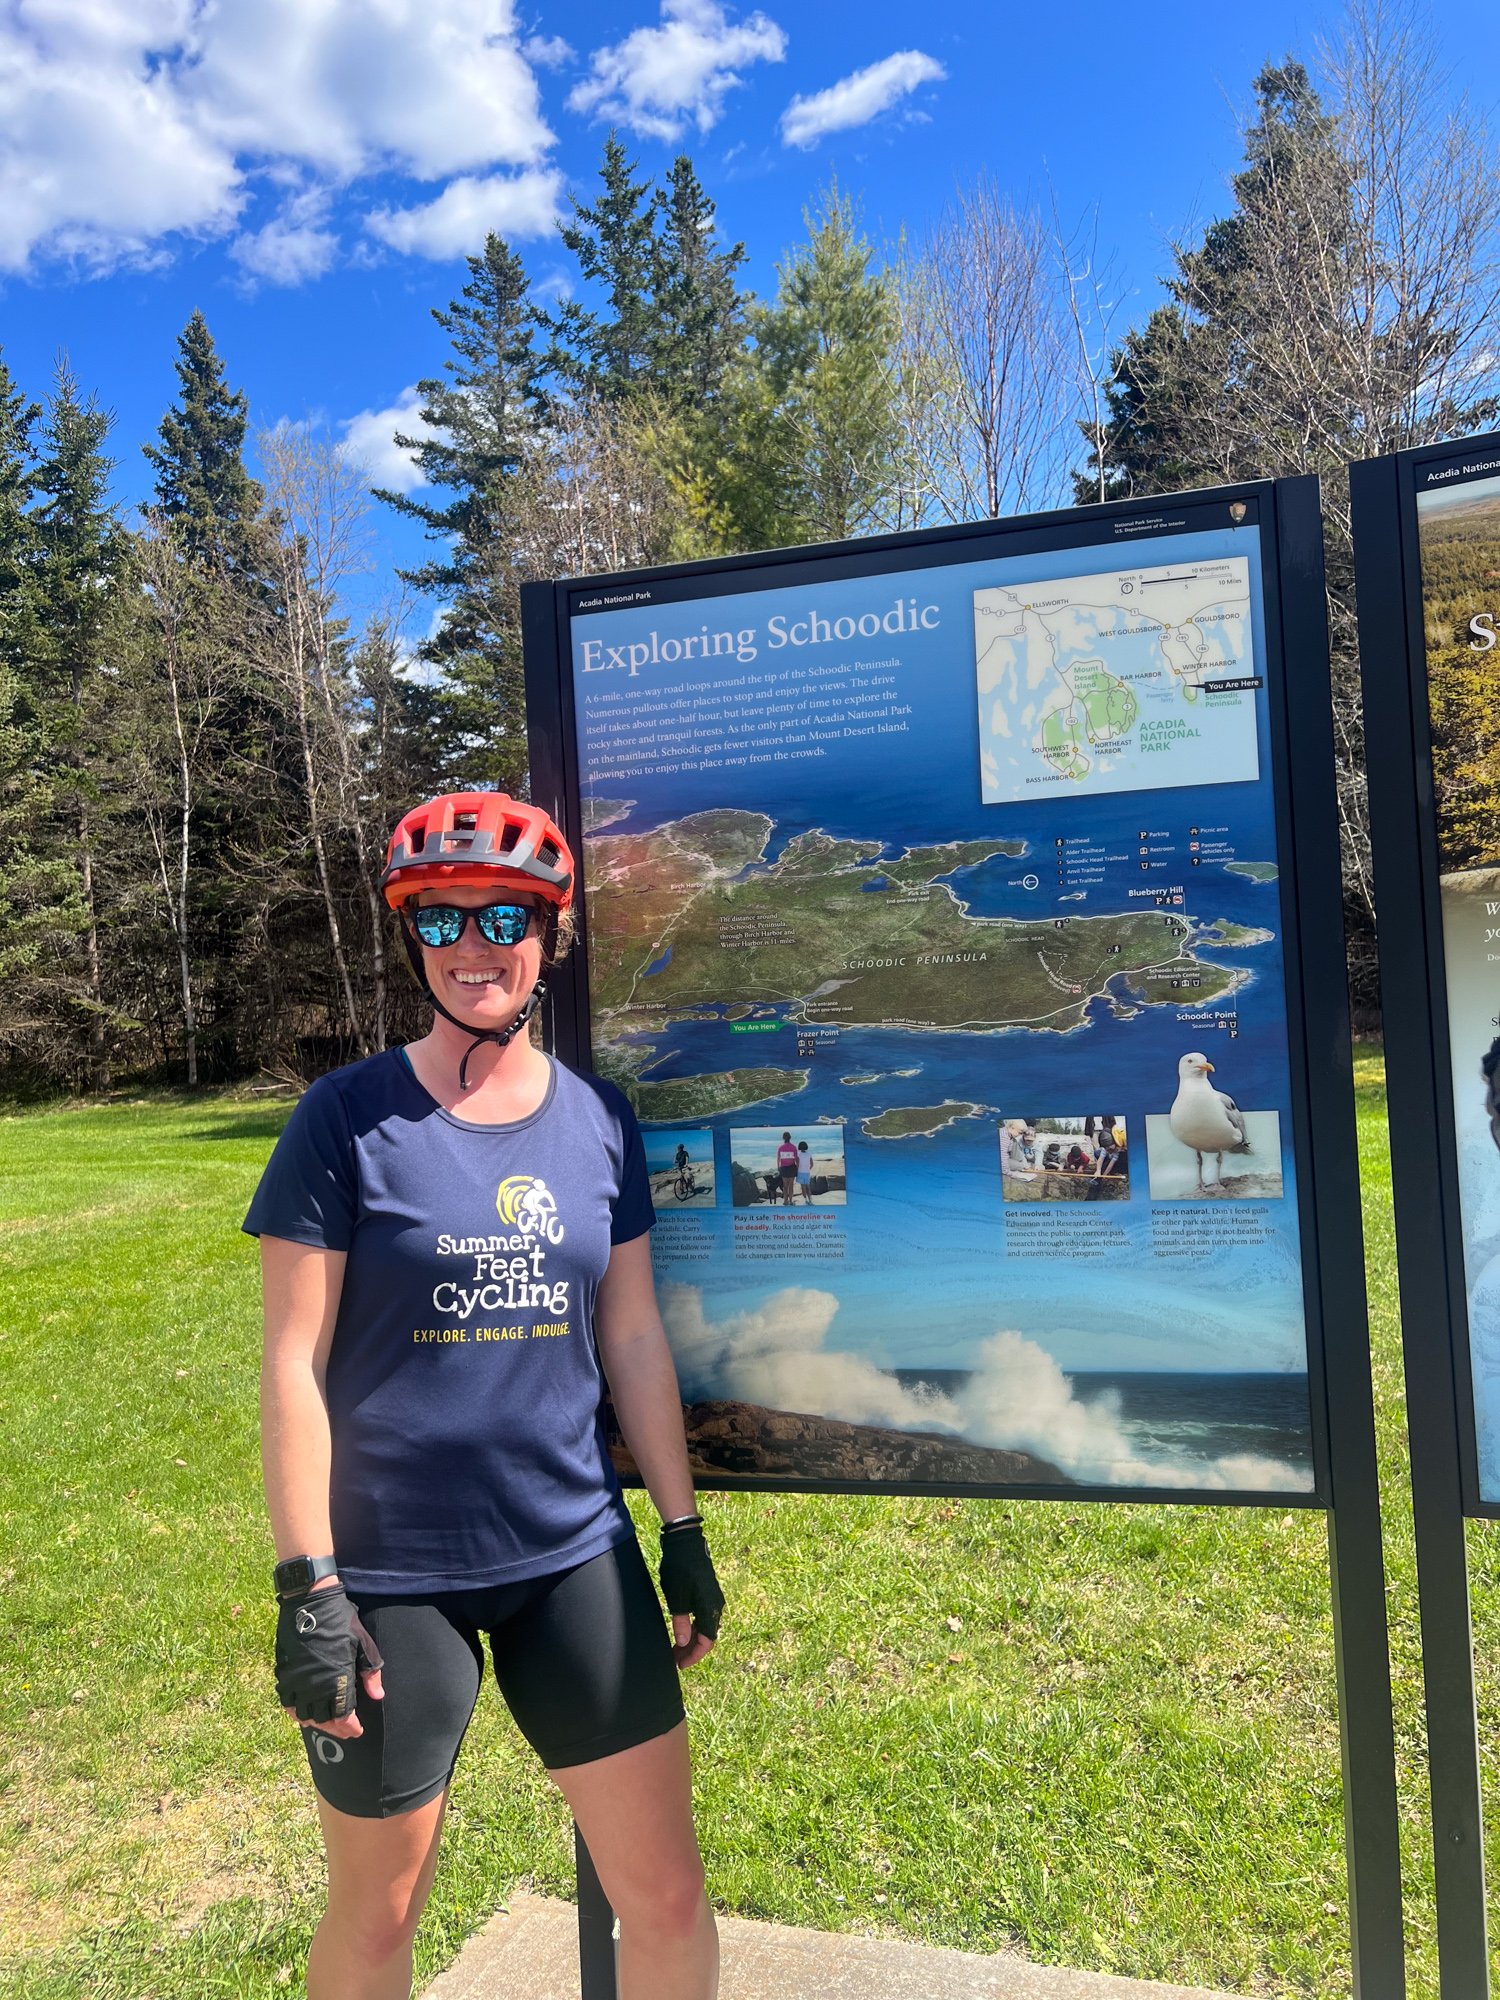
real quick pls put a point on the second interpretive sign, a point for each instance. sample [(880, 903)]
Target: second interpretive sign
[(936, 928)]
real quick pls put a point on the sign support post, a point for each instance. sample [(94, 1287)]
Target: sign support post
[(1361, 1642), (596, 1929), (1428, 1237)]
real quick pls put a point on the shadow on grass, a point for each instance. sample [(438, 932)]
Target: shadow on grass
[(253, 1125)]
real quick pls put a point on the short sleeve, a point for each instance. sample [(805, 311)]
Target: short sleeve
[(308, 1192), (632, 1211)]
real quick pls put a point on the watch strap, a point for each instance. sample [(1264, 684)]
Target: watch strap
[(297, 1575)]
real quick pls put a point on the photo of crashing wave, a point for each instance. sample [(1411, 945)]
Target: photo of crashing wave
[(766, 1396)]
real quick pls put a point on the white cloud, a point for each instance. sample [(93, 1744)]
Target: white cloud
[(855, 100), (370, 441), (435, 86), (97, 156), (547, 51), (293, 246), (658, 78), (456, 223), (123, 122)]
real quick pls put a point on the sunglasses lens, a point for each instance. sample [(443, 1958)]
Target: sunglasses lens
[(503, 923), (438, 925)]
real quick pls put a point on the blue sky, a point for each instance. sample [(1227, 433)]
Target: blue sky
[(310, 172)]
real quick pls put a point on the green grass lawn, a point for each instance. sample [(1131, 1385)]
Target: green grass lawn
[(1102, 1737)]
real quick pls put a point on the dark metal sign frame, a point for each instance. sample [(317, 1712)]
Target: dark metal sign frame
[(1424, 1168), (1322, 1096)]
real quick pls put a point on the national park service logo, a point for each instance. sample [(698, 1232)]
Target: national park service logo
[(528, 1204)]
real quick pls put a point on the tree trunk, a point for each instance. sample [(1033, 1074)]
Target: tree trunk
[(315, 833), (98, 1072)]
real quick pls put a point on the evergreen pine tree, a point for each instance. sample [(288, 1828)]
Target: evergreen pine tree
[(202, 488), (610, 352), (1189, 401), (812, 454), (484, 410), (699, 309), (81, 552), (18, 417), (38, 893)]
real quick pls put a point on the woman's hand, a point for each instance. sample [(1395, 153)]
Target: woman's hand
[(321, 1647), (691, 1589)]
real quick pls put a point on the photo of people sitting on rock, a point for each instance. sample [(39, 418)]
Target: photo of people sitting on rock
[(1065, 1159)]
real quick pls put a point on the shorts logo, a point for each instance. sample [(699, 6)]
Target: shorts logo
[(306, 1622), (528, 1204), (329, 1748)]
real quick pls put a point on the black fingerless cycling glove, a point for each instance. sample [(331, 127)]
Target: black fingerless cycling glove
[(321, 1648), (688, 1582)]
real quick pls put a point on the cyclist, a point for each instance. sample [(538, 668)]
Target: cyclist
[(455, 1258)]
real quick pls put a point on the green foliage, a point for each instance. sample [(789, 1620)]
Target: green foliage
[(202, 487), (607, 353), (484, 411), (700, 310), (810, 439)]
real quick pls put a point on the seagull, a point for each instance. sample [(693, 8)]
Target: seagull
[(1204, 1119)]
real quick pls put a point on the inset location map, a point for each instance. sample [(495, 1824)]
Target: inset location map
[(1131, 679)]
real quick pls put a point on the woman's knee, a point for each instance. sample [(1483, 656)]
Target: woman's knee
[(669, 1902), (379, 1875), (373, 1934)]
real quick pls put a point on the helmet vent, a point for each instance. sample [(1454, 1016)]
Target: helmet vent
[(548, 852), (510, 833)]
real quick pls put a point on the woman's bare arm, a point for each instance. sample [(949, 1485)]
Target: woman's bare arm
[(300, 1287), (643, 1384)]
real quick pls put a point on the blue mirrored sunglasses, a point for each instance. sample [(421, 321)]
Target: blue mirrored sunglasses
[(440, 924)]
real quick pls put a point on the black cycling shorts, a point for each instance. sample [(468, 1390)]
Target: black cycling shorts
[(582, 1656)]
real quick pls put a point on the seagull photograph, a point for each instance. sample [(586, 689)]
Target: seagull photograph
[(1186, 1149)]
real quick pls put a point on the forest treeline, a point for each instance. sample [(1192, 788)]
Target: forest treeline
[(201, 751)]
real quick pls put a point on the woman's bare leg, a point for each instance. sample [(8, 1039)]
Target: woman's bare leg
[(379, 1875), (635, 1810)]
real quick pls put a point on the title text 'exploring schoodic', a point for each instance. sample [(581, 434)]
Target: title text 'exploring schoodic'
[(905, 615)]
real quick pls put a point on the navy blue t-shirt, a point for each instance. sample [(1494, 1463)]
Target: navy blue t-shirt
[(464, 1389)]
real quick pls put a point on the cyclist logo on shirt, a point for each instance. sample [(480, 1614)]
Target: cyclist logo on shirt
[(528, 1203)]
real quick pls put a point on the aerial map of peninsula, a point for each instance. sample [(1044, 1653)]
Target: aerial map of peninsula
[(688, 920), (1116, 681)]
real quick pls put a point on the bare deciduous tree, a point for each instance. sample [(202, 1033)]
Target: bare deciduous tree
[(317, 498), (988, 359)]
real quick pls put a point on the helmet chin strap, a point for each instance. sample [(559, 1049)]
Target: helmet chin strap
[(501, 1037)]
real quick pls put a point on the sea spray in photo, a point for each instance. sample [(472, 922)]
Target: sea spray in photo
[(1015, 1398)]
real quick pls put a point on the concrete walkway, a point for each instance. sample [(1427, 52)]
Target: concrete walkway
[(530, 1952)]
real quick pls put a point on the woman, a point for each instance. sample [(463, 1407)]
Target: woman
[(786, 1167), (804, 1172), (454, 1244)]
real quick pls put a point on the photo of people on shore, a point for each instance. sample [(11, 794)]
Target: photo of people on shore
[(1065, 1159), (680, 1162), (787, 1166)]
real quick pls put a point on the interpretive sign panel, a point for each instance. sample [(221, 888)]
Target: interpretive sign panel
[(1445, 501), (938, 924)]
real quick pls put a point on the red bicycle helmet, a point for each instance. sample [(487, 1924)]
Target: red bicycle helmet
[(483, 838)]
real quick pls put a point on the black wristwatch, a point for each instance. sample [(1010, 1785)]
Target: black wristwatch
[(296, 1576)]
